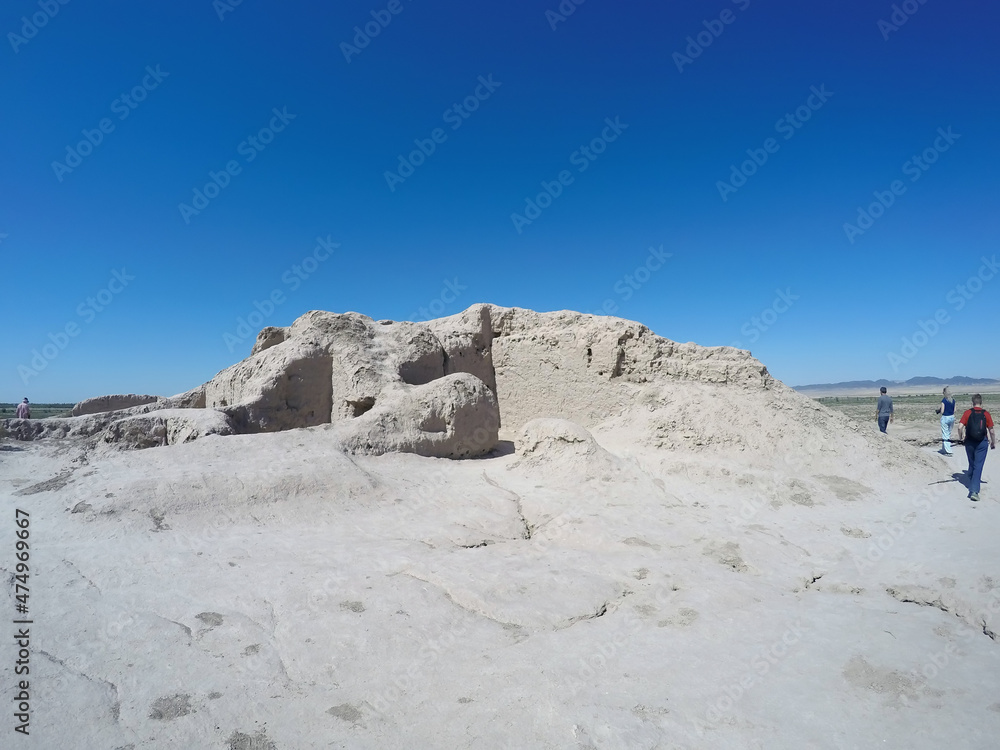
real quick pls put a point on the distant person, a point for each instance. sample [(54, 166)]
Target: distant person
[(23, 410), (973, 428), (883, 409), (947, 412)]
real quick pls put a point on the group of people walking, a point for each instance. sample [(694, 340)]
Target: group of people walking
[(975, 431)]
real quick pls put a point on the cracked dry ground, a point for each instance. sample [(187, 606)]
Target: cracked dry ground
[(212, 595)]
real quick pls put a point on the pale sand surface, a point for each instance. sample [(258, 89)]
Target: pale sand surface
[(267, 591)]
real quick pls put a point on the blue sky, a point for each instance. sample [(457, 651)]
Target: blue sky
[(94, 238)]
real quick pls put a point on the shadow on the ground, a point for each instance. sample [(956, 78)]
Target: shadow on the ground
[(503, 448), (962, 477), (959, 476)]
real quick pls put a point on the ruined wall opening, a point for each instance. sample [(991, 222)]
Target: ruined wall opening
[(359, 407)]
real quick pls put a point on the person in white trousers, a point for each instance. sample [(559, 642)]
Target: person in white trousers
[(947, 411)]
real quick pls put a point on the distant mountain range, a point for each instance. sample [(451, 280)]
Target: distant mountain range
[(957, 380)]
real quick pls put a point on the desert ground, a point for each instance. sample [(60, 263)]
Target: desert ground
[(657, 545)]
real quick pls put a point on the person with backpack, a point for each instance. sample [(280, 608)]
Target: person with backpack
[(947, 411), (973, 428)]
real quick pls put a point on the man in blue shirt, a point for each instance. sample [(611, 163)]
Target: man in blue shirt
[(883, 410)]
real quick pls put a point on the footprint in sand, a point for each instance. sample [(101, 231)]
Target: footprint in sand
[(896, 687), (211, 619), (170, 707), (843, 488), (684, 617), (727, 554), (259, 741), (634, 541), (856, 533), (346, 712), (158, 519)]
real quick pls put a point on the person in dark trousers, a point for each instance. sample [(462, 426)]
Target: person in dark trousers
[(23, 410), (974, 427), (947, 411), (883, 410)]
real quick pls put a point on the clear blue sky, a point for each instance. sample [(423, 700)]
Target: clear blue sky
[(75, 215)]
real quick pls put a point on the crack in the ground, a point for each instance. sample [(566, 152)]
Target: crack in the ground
[(601, 611), (274, 643), (518, 502), (460, 605), (813, 580), (183, 627), (779, 537), (607, 606), (79, 573), (116, 704), (909, 598)]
